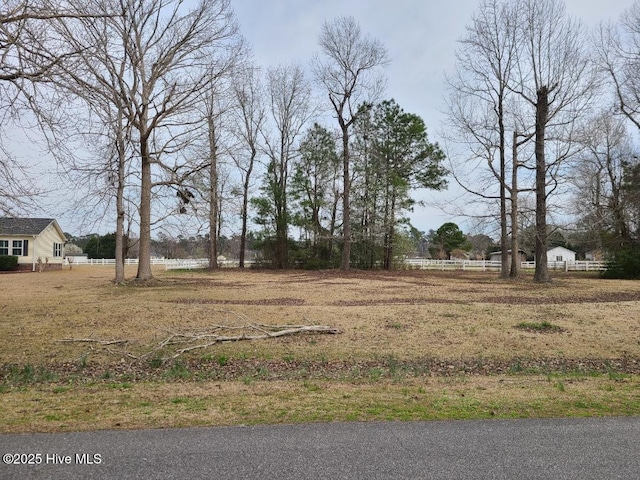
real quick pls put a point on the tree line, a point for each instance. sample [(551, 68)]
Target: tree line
[(159, 112)]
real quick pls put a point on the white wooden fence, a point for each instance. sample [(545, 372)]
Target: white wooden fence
[(410, 263), (110, 261), (169, 263), (191, 263), (487, 265)]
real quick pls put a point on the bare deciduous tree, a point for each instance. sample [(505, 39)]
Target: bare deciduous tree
[(290, 108), (213, 112), (167, 53), (556, 79), (29, 56), (520, 56), (348, 70), (217, 105), (618, 48), (478, 105), (599, 176), (249, 116)]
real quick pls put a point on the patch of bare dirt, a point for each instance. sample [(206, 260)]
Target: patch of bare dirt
[(600, 297), (262, 301), (394, 301), (596, 297), (170, 282)]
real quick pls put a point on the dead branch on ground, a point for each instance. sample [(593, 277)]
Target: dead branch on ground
[(177, 343), (263, 332), (93, 340)]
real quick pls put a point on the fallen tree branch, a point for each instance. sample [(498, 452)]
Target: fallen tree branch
[(93, 340), (169, 347), (286, 330)]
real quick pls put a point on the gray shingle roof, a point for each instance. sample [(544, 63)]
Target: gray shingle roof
[(23, 226)]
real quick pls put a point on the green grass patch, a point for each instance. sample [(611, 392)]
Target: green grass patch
[(540, 327), (120, 386), (222, 360), (162, 404), (178, 371), (29, 374)]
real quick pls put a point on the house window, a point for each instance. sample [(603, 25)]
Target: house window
[(16, 248), (558, 258), (57, 249), (20, 248), (4, 247)]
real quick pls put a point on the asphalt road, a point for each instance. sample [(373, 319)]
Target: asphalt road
[(605, 448)]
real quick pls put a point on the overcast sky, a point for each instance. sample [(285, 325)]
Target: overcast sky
[(420, 36)]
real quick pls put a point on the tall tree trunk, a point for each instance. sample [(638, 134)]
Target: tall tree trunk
[(346, 204), (542, 112), (282, 222), (317, 231), (245, 207), (599, 211), (245, 210), (280, 206), (213, 229), (390, 234), (332, 226), (281, 247), (515, 244), (144, 256), (213, 196), (120, 247), (504, 234), (119, 237), (617, 209)]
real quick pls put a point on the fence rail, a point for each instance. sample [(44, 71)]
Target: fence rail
[(488, 265), (191, 263), (110, 261), (410, 263)]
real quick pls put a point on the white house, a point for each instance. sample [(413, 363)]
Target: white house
[(37, 242), (556, 254), (561, 254)]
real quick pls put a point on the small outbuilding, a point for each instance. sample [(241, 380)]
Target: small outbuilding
[(560, 254), (37, 242), (497, 256)]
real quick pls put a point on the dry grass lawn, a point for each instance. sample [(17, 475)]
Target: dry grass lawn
[(439, 324), (401, 314)]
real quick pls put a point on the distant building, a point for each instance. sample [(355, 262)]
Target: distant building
[(561, 254), (497, 256), (37, 242)]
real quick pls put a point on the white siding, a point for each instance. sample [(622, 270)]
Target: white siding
[(561, 254), (44, 245)]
